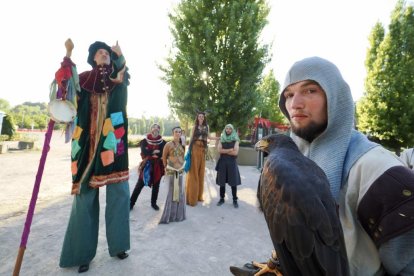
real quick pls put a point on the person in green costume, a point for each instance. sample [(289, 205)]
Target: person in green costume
[(99, 157)]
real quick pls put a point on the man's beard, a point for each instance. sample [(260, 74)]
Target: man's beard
[(310, 132)]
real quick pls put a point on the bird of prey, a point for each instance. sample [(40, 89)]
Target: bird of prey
[(300, 211)]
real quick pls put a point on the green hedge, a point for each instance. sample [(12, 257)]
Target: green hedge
[(4, 137)]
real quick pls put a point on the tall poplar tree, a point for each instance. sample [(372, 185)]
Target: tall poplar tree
[(217, 62), (269, 99), (365, 106), (386, 111)]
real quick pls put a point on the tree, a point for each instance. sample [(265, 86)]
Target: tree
[(269, 99), (4, 105), (8, 127), (364, 105), (375, 39), (217, 61), (29, 114), (143, 124), (138, 129), (168, 124), (162, 127), (133, 125), (386, 111)]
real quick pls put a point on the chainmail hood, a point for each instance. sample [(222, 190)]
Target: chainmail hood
[(330, 148)]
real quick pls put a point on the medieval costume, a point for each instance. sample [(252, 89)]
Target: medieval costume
[(151, 168), (407, 156), (195, 177), (226, 167), (99, 157), (372, 186), (174, 209)]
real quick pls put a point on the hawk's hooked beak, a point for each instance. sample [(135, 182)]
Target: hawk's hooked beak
[(261, 145)]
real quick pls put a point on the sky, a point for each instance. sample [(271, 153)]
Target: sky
[(33, 34)]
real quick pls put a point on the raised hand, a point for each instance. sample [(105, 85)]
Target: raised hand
[(69, 47), (117, 49)]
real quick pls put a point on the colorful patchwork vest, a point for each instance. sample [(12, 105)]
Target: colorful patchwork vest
[(99, 142)]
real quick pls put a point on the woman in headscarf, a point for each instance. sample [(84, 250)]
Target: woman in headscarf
[(227, 169)]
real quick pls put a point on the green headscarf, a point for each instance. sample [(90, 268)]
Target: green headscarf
[(224, 138)]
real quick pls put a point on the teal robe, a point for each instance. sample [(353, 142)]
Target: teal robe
[(99, 141)]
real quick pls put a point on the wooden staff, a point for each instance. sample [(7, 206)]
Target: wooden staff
[(30, 212)]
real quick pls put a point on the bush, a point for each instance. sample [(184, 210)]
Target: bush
[(24, 137), (133, 143), (4, 137), (245, 143)]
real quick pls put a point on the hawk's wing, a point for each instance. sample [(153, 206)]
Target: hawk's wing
[(301, 215)]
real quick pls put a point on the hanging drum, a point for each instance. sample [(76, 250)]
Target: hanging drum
[(61, 111)]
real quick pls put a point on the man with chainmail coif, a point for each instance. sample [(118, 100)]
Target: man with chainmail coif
[(373, 188)]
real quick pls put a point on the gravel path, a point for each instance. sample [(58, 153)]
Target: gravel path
[(207, 243)]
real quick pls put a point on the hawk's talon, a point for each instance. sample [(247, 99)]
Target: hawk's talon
[(272, 266)]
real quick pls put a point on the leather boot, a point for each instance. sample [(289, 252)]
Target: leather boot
[(83, 268), (155, 206), (122, 255), (221, 202)]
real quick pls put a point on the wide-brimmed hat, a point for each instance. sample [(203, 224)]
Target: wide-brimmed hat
[(94, 48)]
